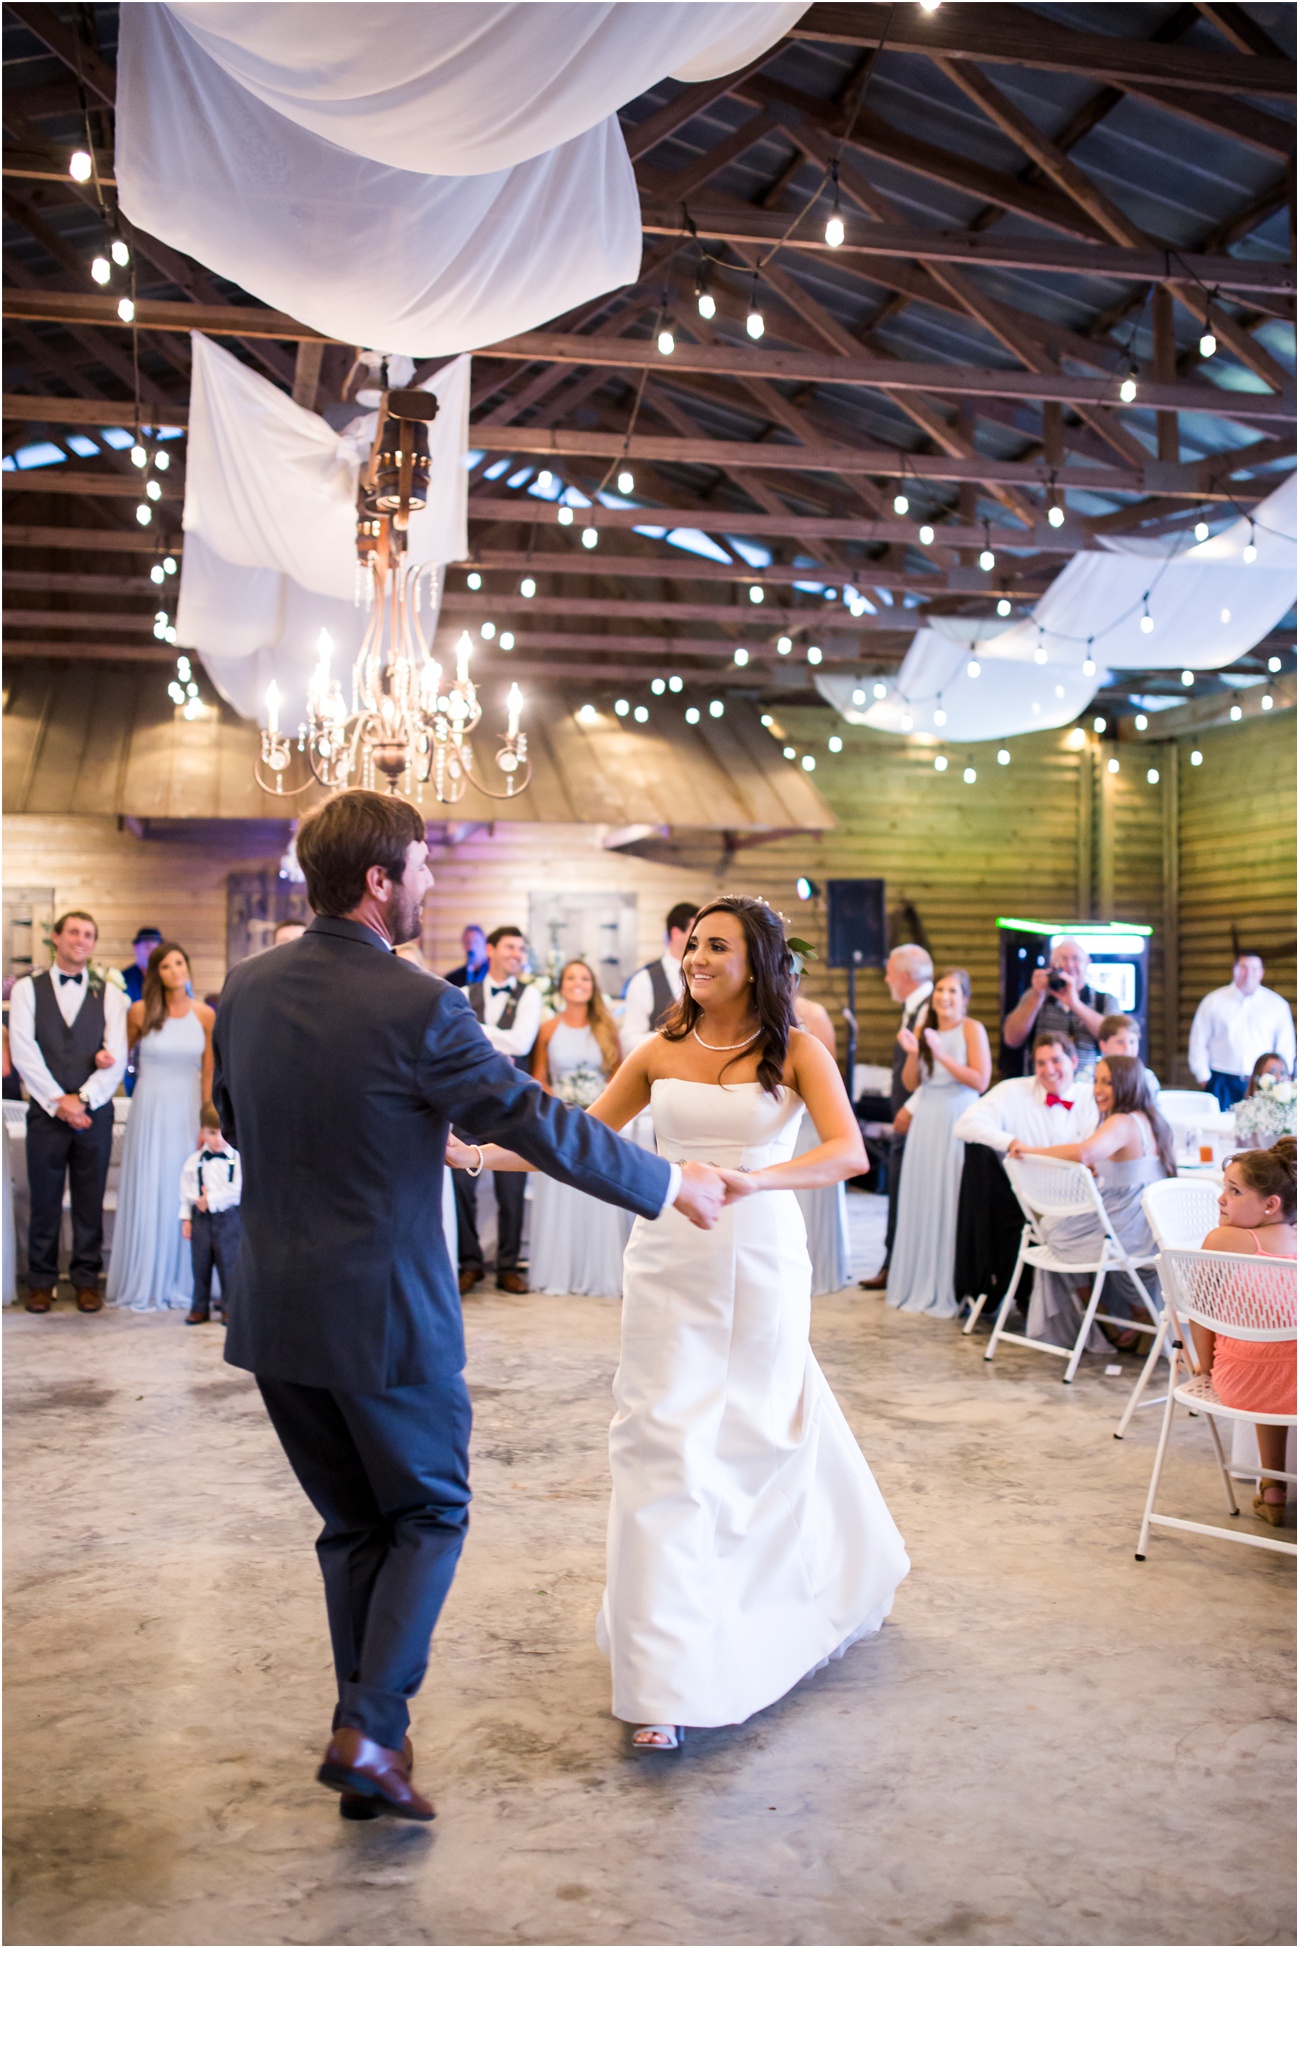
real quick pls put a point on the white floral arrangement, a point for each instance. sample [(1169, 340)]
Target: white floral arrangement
[(1266, 1116), (580, 1087), (106, 977)]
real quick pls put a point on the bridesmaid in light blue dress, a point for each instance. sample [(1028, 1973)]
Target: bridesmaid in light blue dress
[(576, 1243), (951, 1061), (171, 1033)]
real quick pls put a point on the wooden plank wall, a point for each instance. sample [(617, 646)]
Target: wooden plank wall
[(1237, 855), (1020, 841)]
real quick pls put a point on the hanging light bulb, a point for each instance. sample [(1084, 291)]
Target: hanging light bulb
[(1208, 340), (1039, 652), (707, 306), (126, 310), (626, 482), (565, 515), (544, 480), (1141, 721), (1089, 665), (1003, 607), (901, 504), (140, 455), (1152, 775), (1188, 677), (80, 165), (667, 341), (1147, 623), (926, 536), (658, 686), (1112, 765), (969, 775), (157, 574), (692, 714), (488, 629), (784, 645), (1249, 553), (162, 460), (754, 326), (1201, 529), (757, 594), (1196, 757), (144, 513), (704, 299), (1003, 757), (1274, 664), (987, 560), (814, 656), (169, 564), (153, 489), (183, 667), (717, 709), (1235, 713), (973, 668), (879, 691), (1128, 389), (474, 580), (940, 763), (741, 657), (1265, 703), (1055, 515), (120, 253), (101, 270), (590, 538), (1099, 725), (834, 226), (528, 587)]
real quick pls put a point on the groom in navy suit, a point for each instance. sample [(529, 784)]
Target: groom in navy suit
[(339, 1069)]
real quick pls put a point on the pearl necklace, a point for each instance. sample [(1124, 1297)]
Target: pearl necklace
[(726, 1048)]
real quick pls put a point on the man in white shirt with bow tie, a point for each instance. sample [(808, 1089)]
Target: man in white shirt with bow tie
[(510, 1014), (67, 1036), (1053, 1106)]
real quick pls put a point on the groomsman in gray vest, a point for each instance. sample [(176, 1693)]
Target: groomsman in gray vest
[(509, 1011), (656, 989), (909, 972), (67, 1036)]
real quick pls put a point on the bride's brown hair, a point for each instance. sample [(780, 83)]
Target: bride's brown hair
[(770, 963)]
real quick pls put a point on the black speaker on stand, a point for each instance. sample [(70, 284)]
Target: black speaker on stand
[(856, 938)]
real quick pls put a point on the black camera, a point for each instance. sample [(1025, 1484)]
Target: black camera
[(1056, 983)]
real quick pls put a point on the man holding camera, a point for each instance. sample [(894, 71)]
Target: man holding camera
[(1059, 999)]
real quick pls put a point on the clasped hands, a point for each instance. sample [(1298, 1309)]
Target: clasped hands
[(704, 1192)]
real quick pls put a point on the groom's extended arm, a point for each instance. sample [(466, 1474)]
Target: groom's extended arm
[(483, 1094)]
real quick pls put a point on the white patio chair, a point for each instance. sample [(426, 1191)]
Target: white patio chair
[(1181, 1213), (1045, 1189), (1234, 1294)]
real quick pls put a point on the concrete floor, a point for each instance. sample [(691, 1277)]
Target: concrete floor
[(1048, 1744)]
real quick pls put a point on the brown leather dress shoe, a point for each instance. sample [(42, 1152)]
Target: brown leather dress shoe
[(40, 1300), (511, 1283), (89, 1300), (198, 1315), (352, 1808), (364, 1770), (878, 1284), (468, 1282)]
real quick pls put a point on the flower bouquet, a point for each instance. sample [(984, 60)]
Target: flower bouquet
[(1269, 1114), (580, 1087)]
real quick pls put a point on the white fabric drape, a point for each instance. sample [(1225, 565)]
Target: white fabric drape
[(270, 525), (1207, 604), (417, 178), (457, 90)]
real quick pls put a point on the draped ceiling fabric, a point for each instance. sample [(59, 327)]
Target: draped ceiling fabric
[(417, 178), (1207, 606), (270, 526)]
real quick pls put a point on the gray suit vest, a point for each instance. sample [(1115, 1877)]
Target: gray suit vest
[(68, 1049)]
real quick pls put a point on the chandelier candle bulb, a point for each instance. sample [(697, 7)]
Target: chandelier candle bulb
[(273, 708), (514, 708)]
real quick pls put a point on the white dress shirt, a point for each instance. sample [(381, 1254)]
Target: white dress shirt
[(220, 1177), (1017, 1109), (28, 1058), (1230, 1031), (638, 1003), (519, 1040)]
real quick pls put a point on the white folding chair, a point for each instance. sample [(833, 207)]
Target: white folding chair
[(1188, 1105), (1181, 1213), (1046, 1189), (1234, 1294)]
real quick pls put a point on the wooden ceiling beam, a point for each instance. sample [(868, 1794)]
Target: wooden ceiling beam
[(84, 62), (89, 412), (1019, 37), (1240, 29), (748, 226), (684, 106)]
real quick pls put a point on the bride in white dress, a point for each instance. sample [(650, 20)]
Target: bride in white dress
[(748, 1542)]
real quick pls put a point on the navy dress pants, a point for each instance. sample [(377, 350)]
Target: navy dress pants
[(1229, 1089), (388, 1475), (510, 1191), (57, 1154), (214, 1243)]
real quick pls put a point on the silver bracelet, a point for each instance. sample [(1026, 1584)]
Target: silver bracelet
[(474, 1171)]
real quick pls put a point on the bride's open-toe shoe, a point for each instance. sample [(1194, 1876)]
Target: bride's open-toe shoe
[(1269, 1503), (658, 1735)]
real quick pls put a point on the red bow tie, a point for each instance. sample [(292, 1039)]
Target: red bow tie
[(1057, 1102)]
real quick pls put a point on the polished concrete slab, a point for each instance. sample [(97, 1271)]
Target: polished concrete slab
[(1048, 1744)]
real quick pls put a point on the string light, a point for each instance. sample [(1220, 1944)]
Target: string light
[(834, 743), (153, 489), (121, 255), (901, 504), (940, 716), (544, 480), (790, 753), (1141, 721), (1266, 703), (528, 587), (1274, 664), (675, 684), (1208, 340), (1112, 765), (1128, 389), (987, 560), (126, 310), (1188, 677), (157, 574), (1055, 515), (140, 455), (754, 325), (626, 482), (741, 657), (880, 692), (1249, 553), (588, 714), (756, 593), (1039, 652), (169, 565), (969, 775), (766, 719), (474, 580), (1147, 623), (784, 645), (621, 708), (1152, 775), (1202, 529), (590, 538), (80, 166), (716, 709), (692, 714), (667, 341), (1003, 757), (704, 299), (973, 668), (1196, 757), (1003, 607), (814, 656), (940, 764), (144, 513), (1235, 713), (101, 270), (809, 762), (834, 226), (641, 715), (1099, 725), (926, 536), (565, 515), (658, 686), (507, 642), (161, 459), (488, 630)]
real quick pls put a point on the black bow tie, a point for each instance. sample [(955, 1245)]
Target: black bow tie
[(64, 979), (499, 988), (212, 1155)]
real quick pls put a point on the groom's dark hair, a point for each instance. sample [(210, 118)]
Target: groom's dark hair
[(351, 833)]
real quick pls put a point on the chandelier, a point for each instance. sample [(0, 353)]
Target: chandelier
[(401, 723)]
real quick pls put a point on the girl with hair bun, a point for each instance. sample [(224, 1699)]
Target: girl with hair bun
[(1257, 1207)]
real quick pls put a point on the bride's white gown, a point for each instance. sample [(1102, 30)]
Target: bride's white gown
[(748, 1541)]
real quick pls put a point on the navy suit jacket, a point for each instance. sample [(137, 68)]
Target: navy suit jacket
[(339, 1068)]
